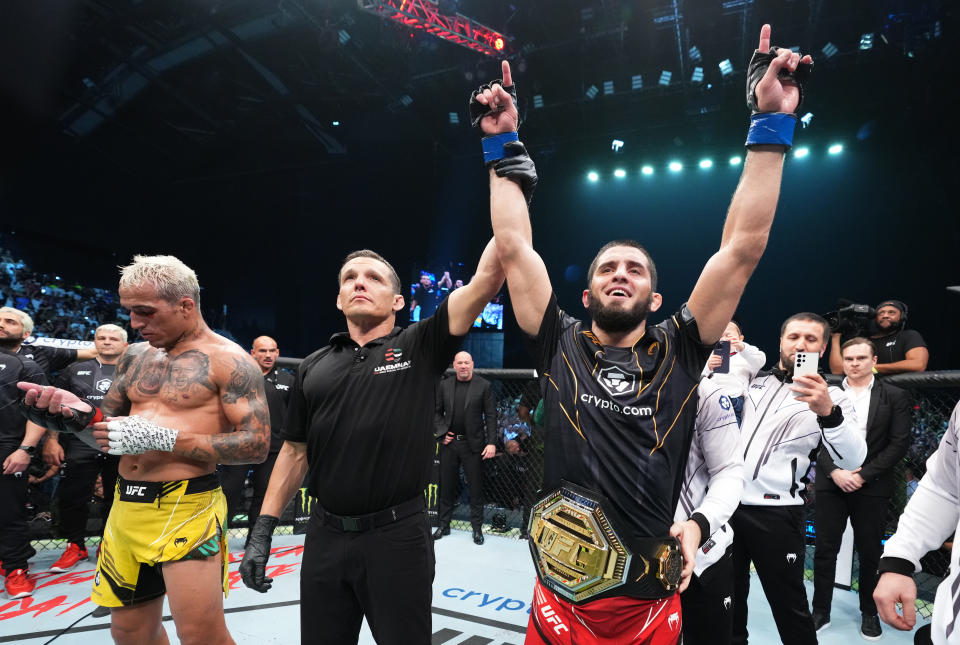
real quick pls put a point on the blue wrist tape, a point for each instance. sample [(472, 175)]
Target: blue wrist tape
[(774, 128), (493, 146)]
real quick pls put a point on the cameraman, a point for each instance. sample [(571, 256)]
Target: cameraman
[(898, 350)]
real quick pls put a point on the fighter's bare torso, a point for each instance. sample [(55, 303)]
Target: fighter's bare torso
[(182, 389)]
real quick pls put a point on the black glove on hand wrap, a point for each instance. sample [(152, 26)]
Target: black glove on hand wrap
[(254, 564), (57, 422), (478, 110), (519, 167), (758, 67)]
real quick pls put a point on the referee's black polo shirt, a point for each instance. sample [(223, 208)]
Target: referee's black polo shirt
[(366, 415)]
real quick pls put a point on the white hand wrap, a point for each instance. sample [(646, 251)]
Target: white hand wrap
[(136, 435)]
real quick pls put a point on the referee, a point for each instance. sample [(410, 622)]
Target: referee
[(360, 423)]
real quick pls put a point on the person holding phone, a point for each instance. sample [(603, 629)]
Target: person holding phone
[(787, 414), (733, 364)]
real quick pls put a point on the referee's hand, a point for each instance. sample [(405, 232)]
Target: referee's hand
[(688, 533)]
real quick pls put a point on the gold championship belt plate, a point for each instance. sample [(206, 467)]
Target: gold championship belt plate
[(578, 554)]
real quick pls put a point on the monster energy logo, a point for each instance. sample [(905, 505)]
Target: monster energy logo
[(306, 501), (431, 494)]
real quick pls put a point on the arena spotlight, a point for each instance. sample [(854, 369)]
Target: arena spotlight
[(636, 82), (706, 164), (866, 41), (675, 166), (665, 77), (454, 118), (592, 92), (619, 173), (406, 100), (806, 119), (592, 176), (695, 54), (498, 44), (835, 149), (616, 145), (608, 87), (800, 153), (343, 36), (647, 170), (697, 76), (538, 101), (335, 124), (726, 67), (736, 161), (829, 50)]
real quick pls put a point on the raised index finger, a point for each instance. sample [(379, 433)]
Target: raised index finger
[(764, 39), (508, 78)]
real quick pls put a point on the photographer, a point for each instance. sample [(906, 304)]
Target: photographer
[(898, 350)]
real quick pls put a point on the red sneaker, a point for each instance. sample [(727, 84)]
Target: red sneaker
[(18, 584), (70, 558)]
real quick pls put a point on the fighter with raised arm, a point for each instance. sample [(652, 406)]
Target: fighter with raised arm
[(620, 394), (182, 402)]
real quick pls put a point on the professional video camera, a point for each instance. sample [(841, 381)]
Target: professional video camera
[(851, 319)]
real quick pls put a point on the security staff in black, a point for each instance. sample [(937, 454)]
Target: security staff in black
[(18, 443), (277, 384), (361, 420), (89, 380), (466, 426)]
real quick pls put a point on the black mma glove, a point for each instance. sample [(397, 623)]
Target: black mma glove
[(519, 167), (59, 423), (254, 564), (478, 110), (758, 67)]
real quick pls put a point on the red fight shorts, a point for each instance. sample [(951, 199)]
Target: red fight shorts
[(608, 621)]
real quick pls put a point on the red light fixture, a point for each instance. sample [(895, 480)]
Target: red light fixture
[(425, 15)]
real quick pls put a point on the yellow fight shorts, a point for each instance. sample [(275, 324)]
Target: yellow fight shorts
[(156, 522)]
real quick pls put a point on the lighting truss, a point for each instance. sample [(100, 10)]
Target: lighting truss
[(425, 15)]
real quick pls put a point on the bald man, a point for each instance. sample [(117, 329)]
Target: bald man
[(466, 426), (277, 385)]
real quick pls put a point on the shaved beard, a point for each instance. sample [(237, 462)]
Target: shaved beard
[(618, 321)]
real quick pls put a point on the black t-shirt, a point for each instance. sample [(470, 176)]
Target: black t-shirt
[(894, 347), (89, 380), (428, 299), (619, 420), (50, 359), (366, 415), (13, 424), (277, 385)]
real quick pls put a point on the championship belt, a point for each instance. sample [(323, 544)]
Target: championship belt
[(578, 554)]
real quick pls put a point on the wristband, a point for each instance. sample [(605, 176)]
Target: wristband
[(771, 128), (97, 416), (493, 146)]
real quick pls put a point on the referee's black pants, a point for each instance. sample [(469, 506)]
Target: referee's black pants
[(868, 516), (451, 456), (15, 547), (772, 537), (708, 605), (385, 574), (82, 464)]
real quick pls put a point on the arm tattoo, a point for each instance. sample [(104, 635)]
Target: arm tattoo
[(242, 382)]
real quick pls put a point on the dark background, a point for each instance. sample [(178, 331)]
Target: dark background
[(204, 129)]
